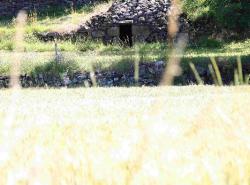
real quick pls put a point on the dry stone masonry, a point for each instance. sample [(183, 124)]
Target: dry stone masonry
[(133, 20), (150, 74), (126, 21)]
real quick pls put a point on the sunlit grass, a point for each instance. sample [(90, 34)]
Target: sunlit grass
[(98, 136), (73, 19), (109, 60), (174, 135)]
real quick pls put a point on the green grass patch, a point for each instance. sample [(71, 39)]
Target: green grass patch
[(35, 62)]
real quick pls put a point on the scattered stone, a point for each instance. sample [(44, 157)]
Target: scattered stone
[(103, 78), (150, 74)]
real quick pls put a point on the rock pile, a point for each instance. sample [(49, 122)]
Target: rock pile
[(150, 75)]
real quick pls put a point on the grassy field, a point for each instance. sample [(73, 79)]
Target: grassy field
[(59, 20), (68, 19), (84, 55), (115, 58), (110, 136), (164, 135)]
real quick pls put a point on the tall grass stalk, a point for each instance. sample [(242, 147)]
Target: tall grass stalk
[(210, 67), (32, 18), (173, 68), (173, 17), (92, 76), (247, 78), (15, 68), (57, 57), (196, 74), (236, 78), (18, 49), (136, 65), (240, 72), (239, 78), (11, 114), (217, 71)]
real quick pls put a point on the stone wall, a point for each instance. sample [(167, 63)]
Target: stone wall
[(150, 74), (147, 18), (11, 7)]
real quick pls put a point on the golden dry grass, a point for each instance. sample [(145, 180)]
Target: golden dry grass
[(164, 135), (75, 19)]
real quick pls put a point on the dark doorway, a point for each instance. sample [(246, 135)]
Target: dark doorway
[(126, 34)]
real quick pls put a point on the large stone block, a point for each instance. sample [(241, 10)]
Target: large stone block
[(97, 34), (140, 30), (113, 31)]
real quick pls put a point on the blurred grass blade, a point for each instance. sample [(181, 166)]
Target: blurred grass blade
[(196, 74), (236, 78), (247, 78), (136, 65), (93, 77), (210, 67), (11, 113), (57, 57), (217, 71), (240, 72), (18, 49), (173, 68), (173, 24)]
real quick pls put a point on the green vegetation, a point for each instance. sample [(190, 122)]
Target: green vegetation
[(55, 69), (56, 21), (228, 13), (70, 19), (88, 54), (107, 60)]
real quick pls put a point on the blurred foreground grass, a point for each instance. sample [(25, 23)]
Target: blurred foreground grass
[(164, 135)]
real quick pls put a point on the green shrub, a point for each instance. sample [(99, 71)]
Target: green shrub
[(56, 69), (6, 45), (228, 13), (209, 43), (195, 8), (231, 14), (87, 45)]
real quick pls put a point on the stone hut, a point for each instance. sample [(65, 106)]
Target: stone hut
[(128, 21)]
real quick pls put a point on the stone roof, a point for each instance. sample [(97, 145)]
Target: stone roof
[(148, 17), (138, 11)]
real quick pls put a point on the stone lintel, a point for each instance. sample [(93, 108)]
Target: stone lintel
[(126, 22)]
